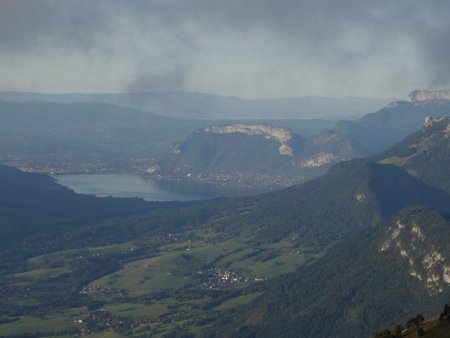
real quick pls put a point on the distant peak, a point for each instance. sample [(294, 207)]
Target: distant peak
[(428, 95)]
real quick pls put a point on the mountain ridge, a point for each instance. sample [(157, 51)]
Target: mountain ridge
[(424, 153), (212, 106), (382, 129)]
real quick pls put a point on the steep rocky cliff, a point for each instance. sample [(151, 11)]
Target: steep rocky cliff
[(280, 135), (427, 95)]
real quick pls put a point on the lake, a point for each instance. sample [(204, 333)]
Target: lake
[(149, 189)]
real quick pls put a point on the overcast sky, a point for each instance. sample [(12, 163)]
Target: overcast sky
[(247, 48)]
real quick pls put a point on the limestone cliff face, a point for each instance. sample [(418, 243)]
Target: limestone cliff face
[(428, 95), (418, 242), (318, 160), (432, 121), (281, 135)]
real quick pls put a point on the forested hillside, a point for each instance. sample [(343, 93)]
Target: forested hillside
[(316, 259)]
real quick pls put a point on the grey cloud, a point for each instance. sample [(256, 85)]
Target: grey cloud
[(168, 80), (432, 31), (349, 35), (26, 23)]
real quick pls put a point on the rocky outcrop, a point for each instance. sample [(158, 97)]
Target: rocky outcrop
[(421, 250), (281, 135), (444, 121), (319, 160), (428, 95), (432, 121)]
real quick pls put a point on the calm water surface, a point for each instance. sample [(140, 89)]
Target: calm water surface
[(148, 189)]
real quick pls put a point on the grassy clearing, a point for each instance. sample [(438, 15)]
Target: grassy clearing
[(34, 324), (236, 256), (135, 311), (277, 266), (208, 253), (146, 275), (44, 273), (139, 281), (65, 255), (238, 301), (268, 268)]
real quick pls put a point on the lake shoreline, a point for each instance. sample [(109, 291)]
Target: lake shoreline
[(149, 188)]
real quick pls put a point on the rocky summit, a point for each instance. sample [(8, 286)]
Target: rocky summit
[(281, 135), (427, 95)]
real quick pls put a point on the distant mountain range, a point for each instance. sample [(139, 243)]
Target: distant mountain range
[(213, 107), (98, 137), (85, 136), (105, 138), (384, 128), (232, 150)]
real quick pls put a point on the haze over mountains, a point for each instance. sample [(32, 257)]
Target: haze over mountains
[(379, 130), (213, 107), (327, 257), (81, 135), (104, 138), (97, 137), (225, 150)]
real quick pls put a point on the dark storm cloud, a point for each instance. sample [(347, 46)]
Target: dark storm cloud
[(169, 41)]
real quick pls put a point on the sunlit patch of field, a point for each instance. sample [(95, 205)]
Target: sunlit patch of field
[(238, 301), (62, 257), (146, 275), (139, 310), (58, 321), (43, 273)]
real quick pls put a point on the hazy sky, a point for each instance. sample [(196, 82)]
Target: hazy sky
[(247, 48)]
